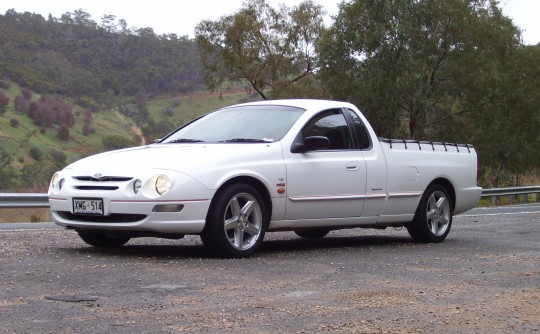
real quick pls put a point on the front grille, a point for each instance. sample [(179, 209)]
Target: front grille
[(96, 187), (113, 218), (97, 182), (103, 178)]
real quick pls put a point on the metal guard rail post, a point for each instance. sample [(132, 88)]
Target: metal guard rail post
[(31, 200)]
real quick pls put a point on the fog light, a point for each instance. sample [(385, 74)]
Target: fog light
[(137, 186), (168, 208)]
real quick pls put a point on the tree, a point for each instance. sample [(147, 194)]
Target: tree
[(37, 175), (270, 49), (63, 132), (412, 59), (8, 174), (4, 101), (506, 126)]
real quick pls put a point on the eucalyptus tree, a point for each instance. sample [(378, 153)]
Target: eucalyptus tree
[(411, 60), (505, 129), (273, 50)]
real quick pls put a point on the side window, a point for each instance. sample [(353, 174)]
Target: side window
[(360, 129), (332, 125)]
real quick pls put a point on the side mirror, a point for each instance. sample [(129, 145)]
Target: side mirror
[(313, 143)]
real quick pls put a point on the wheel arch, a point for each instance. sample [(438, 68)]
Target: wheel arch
[(255, 183), (448, 186)]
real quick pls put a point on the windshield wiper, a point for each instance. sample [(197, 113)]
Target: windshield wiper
[(245, 140), (184, 140)]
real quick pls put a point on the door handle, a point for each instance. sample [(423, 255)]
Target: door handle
[(351, 166)]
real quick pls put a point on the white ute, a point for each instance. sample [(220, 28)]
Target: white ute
[(230, 176)]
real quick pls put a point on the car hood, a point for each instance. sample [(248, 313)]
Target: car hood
[(192, 159)]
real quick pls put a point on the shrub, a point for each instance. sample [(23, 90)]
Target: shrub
[(36, 154), (63, 132), (58, 156), (5, 84), (14, 122), (116, 142)]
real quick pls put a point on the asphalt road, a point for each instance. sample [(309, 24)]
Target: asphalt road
[(485, 278)]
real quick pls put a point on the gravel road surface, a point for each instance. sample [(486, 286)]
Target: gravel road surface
[(485, 278)]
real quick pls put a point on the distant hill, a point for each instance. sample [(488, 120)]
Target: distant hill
[(70, 87), (93, 63)]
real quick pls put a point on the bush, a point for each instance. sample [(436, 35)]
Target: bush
[(59, 157), (14, 122), (5, 84), (4, 101), (36, 154), (63, 132), (115, 142)]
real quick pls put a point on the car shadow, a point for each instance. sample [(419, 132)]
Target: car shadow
[(338, 242), (193, 248)]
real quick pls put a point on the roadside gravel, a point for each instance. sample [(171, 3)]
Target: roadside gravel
[(485, 278)]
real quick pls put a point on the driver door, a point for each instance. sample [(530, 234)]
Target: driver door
[(326, 183)]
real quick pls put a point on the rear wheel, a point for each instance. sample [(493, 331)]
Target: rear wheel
[(433, 217), (312, 234), (236, 222), (102, 240)]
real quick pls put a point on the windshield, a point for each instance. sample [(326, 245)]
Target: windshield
[(244, 124)]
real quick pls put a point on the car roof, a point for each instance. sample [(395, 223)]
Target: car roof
[(308, 104)]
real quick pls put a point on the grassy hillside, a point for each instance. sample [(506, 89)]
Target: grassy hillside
[(35, 150)]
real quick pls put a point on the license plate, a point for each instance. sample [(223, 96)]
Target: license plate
[(88, 206)]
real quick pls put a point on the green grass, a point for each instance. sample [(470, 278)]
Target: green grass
[(27, 136), (509, 200)]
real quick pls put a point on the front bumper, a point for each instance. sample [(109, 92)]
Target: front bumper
[(182, 210)]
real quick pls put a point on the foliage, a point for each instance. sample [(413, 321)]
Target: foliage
[(435, 69), (273, 50), (63, 132), (38, 174), (36, 154), (449, 70), (76, 57), (115, 142), (48, 111), (506, 125), (4, 101), (411, 58), (8, 174), (59, 157)]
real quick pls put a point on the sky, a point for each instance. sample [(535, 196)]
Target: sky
[(181, 17)]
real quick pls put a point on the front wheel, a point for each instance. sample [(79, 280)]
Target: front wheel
[(102, 240), (433, 217), (236, 222)]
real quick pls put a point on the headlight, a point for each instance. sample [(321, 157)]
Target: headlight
[(162, 184), (137, 186), (55, 179)]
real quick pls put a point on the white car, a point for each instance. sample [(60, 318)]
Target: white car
[(230, 176)]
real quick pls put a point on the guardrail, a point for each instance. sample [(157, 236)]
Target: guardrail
[(511, 192), (23, 200), (31, 200)]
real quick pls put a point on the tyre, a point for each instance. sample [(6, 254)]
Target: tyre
[(312, 234), (433, 217), (102, 240), (236, 222)]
